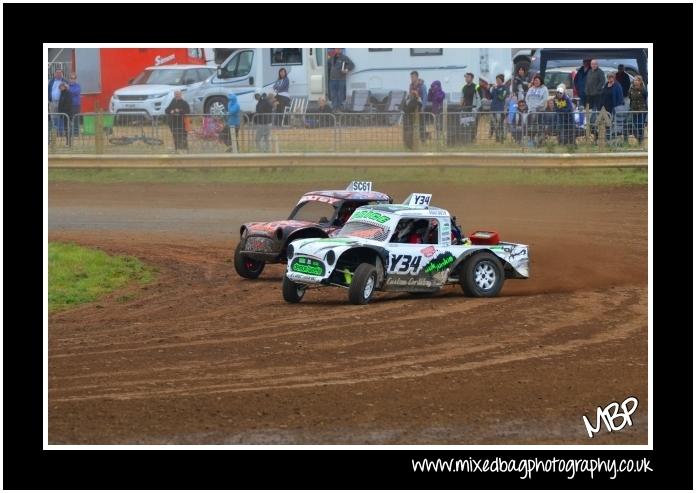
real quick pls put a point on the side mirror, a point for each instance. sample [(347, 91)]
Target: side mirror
[(219, 72), (251, 81)]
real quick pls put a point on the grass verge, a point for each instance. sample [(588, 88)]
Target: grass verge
[(511, 176), (79, 275)]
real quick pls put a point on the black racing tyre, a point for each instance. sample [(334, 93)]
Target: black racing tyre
[(363, 284), (482, 275), (292, 291), (245, 266)]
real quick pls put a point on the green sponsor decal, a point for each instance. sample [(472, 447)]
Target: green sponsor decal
[(371, 215), (439, 263), (306, 265)]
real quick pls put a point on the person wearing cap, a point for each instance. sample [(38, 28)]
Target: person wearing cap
[(470, 97), (565, 119), (579, 80)]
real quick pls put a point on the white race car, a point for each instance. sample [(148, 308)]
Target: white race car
[(407, 247)]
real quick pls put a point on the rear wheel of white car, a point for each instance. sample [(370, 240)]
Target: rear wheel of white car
[(245, 266), (292, 291), (482, 275), (363, 284), (216, 106)]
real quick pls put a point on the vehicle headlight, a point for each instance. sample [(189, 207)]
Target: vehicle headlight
[(157, 96), (291, 251), (330, 257)]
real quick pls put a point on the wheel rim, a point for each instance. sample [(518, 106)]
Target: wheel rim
[(250, 265), (485, 275), (300, 291), (369, 286), (217, 108)]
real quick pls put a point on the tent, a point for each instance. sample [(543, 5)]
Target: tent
[(638, 54)]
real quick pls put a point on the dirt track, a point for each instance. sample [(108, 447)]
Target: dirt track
[(202, 356)]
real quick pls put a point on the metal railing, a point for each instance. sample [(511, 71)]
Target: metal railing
[(123, 133)]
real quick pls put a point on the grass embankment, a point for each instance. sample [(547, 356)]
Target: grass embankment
[(312, 175), (79, 275)]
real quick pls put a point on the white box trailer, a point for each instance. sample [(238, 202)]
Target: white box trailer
[(378, 69)]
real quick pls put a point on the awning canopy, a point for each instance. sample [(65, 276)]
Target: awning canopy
[(638, 54)]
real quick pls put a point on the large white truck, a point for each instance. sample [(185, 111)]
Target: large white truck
[(379, 70)]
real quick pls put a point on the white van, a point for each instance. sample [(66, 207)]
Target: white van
[(151, 92), (378, 69)]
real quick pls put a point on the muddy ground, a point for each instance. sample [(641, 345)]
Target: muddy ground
[(203, 356)]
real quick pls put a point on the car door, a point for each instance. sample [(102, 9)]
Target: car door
[(417, 266)]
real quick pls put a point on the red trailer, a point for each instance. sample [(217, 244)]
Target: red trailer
[(100, 71)]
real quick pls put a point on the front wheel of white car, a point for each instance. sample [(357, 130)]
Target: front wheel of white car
[(216, 106), (363, 285), (482, 275), (292, 291)]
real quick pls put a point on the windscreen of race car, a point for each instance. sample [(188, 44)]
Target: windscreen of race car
[(363, 230)]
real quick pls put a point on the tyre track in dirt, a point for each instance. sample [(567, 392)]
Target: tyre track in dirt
[(200, 340)]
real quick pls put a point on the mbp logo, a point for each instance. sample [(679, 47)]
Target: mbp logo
[(610, 414)]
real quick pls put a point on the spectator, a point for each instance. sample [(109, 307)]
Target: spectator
[(537, 97), (565, 116), (484, 91), (594, 82), (339, 66), (624, 81), (580, 79), (321, 118), (282, 88), (499, 94), (412, 106), (611, 95), (418, 85), (54, 96), (263, 119), (520, 83), (177, 111), (470, 96), (638, 97), (75, 91), (518, 126), (436, 97), (65, 108), (233, 123)]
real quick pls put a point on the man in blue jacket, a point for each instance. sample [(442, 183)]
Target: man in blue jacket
[(54, 96), (233, 122)]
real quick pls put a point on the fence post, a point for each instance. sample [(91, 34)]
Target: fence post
[(98, 129), (416, 132), (588, 124), (442, 141), (601, 128), (52, 137)]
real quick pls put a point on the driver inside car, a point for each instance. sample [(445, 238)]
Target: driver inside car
[(344, 214)]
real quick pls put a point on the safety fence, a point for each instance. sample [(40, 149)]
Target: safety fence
[(103, 133)]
